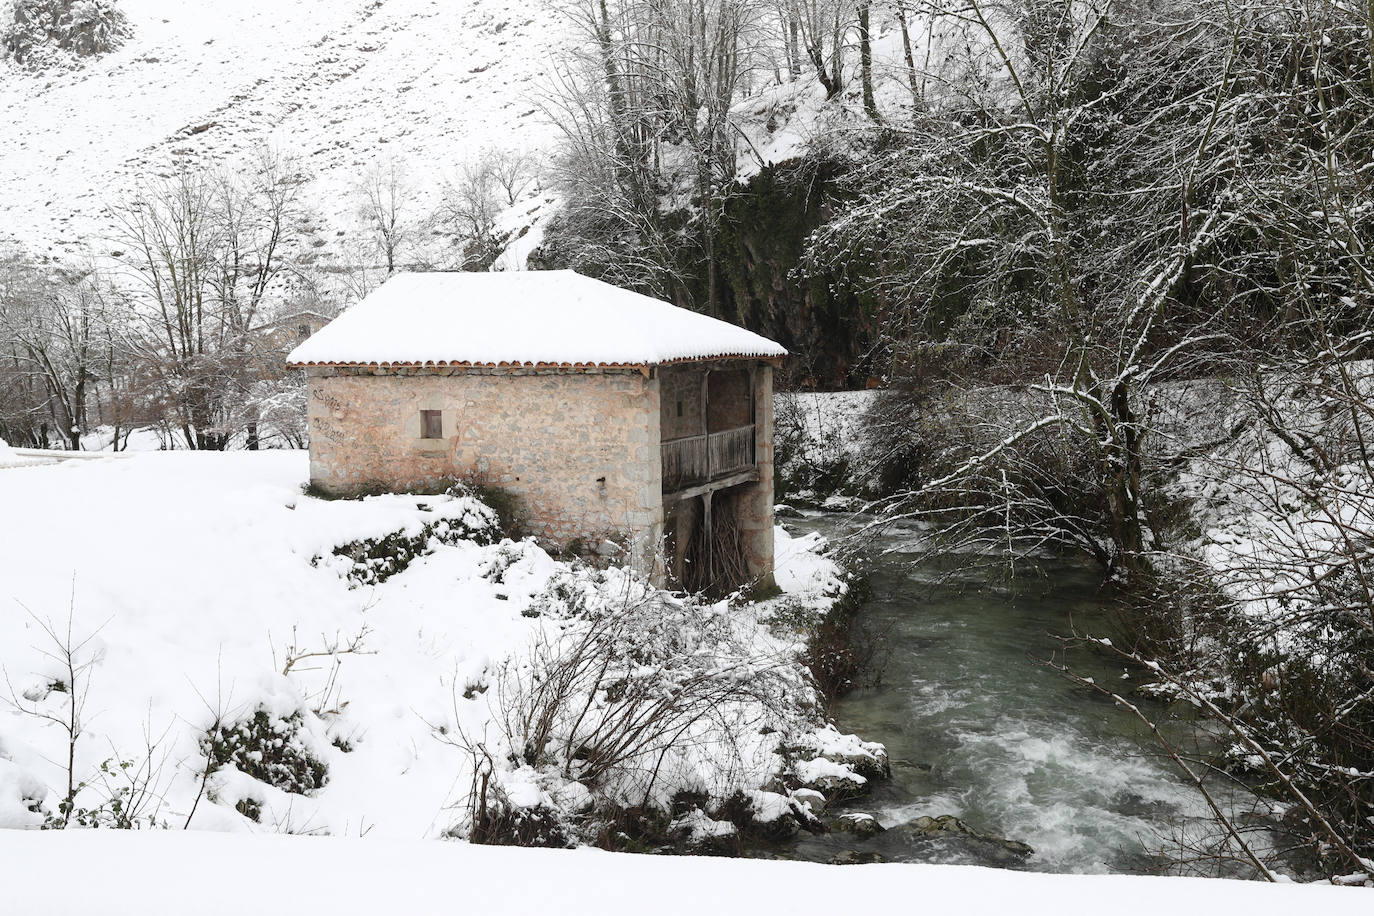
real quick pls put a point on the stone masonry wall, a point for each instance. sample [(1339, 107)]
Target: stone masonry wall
[(756, 504), (579, 450)]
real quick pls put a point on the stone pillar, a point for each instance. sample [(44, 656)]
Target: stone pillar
[(646, 534), (756, 502)]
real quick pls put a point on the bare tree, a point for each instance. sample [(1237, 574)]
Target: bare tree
[(824, 27), (55, 324), (991, 224), (471, 206), (206, 253), (74, 658), (385, 204), (513, 170), (659, 80)]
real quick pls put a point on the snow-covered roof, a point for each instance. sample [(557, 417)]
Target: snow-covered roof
[(521, 318)]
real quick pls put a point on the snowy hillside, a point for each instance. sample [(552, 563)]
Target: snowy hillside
[(341, 85)]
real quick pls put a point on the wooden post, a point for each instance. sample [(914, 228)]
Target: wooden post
[(706, 426), (710, 578)]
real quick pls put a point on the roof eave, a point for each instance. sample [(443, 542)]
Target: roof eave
[(772, 359)]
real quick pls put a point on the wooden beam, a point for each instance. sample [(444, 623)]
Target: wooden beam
[(725, 483)]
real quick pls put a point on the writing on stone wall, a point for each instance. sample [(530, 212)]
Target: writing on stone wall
[(325, 427), (331, 403)]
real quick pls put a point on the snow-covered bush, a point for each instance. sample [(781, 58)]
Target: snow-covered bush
[(628, 697), (40, 33), (454, 516), (271, 749), (122, 797)]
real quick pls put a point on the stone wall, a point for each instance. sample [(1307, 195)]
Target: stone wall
[(756, 503), (579, 450)]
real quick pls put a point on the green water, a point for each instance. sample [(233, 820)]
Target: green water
[(977, 727)]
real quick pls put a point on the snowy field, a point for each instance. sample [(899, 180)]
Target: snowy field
[(190, 580), (211, 874)]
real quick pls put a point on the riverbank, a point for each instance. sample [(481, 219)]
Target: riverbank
[(1252, 604)]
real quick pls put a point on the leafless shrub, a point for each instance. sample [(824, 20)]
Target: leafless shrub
[(607, 701), (327, 656), (634, 700), (119, 793)]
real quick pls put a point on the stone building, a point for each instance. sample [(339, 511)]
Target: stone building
[(617, 422)]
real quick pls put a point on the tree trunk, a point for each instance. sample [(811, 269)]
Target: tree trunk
[(794, 46), (832, 86), (916, 101), (866, 62)]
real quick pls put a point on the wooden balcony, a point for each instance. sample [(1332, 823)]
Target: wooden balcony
[(694, 462)]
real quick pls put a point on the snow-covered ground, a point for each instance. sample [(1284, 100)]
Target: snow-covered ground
[(210, 874), (189, 579)]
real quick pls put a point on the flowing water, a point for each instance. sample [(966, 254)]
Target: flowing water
[(977, 727)]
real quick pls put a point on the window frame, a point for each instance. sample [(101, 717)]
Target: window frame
[(436, 417)]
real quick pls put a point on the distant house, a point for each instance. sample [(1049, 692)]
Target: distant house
[(608, 415), (292, 328)]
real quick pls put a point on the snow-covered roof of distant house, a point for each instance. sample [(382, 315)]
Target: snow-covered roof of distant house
[(521, 318), (290, 318)]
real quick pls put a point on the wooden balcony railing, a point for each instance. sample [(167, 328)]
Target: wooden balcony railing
[(696, 460)]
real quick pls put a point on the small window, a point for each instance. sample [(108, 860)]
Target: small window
[(679, 408), (431, 424), (303, 331)]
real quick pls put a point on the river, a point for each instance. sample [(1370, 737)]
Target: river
[(977, 727)]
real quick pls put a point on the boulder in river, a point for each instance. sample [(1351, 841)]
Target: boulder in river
[(949, 825), (855, 857), (862, 826), (697, 832), (812, 799)]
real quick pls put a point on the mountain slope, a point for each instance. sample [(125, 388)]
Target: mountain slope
[(340, 85)]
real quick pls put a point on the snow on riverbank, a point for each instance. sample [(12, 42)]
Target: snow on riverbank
[(192, 578), (207, 874), (818, 445)]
